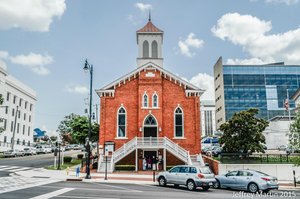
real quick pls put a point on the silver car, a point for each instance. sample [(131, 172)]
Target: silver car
[(248, 180), (188, 175), (13, 153)]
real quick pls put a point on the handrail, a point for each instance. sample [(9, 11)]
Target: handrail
[(157, 142)]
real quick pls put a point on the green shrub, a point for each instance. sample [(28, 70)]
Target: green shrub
[(125, 167), (80, 156), (67, 159)]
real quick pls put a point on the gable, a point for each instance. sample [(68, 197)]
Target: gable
[(109, 90)]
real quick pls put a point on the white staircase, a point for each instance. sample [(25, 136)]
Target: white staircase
[(146, 142), (101, 164), (197, 160)]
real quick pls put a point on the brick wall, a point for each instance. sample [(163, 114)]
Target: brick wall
[(170, 94), (213, 164)]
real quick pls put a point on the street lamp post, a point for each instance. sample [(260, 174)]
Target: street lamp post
[(88, 67)]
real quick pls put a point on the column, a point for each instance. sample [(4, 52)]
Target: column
[(165, 160), (136, 160)]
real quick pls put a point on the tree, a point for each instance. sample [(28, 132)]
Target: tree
[(64, 128), (53, 138), (243, 132), (80, 129), (1, 119), (294, 134), (75, 128)]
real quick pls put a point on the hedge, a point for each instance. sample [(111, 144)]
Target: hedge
[(80, 156), (125, 167), (67, 159)]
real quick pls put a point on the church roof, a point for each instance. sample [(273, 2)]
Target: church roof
[(149, 27), (189, 88)]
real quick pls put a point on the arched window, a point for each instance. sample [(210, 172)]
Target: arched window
[(154, 49), (154, 100), (145, 100), (179, 127), (150, 121), (145, 49), (121, 122)]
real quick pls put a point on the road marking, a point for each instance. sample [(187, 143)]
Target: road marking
[(91, 189), (53, 194), (20, 169), (3, 166), (8, 168)]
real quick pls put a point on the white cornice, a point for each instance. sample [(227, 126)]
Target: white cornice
[(152, 66)]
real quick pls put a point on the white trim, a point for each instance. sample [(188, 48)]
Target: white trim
[(143, 105), (118, 122), (176, 137), (150, 125), (155, 94), (148, 65), (121, 138)]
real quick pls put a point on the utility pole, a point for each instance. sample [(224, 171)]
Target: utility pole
[(14, 132)]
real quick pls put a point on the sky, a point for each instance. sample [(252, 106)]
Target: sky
[(44, 43)]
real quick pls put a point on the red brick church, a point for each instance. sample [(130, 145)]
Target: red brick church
[(149, 115)]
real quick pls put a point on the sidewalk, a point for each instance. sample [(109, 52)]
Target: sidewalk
[(117, 177)]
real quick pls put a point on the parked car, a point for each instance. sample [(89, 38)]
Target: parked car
[(43, 149), (13, 153), (190, 176), (282, 147), (29, 151), (248, 180), (214, 151)]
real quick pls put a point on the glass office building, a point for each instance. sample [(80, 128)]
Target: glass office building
[(266, 87)]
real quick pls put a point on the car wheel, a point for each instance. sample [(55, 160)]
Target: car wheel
[(252, 187), (217, 184), (162, 181), (205, 188), (191, 185)]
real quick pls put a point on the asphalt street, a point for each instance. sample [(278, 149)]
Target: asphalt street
[(84, 190), (35, 161)]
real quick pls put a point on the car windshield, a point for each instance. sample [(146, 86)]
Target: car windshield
[(10, 151), (205, 170), (26, 149)]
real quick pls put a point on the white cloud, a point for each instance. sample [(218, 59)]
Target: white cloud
[(252, 35), (79, 89), (251, 61), (35, 62), (3, 54), (287, 2), (143, 7), (190, 42), (206, 82), (32, 15)]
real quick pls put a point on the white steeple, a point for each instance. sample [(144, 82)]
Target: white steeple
[(149, 40)]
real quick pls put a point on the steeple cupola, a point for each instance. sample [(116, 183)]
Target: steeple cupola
[(149, 40)]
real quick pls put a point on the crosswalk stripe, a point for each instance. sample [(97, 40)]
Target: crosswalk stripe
[(20, 169), (53, 194), (8, 168), (3, 166)]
